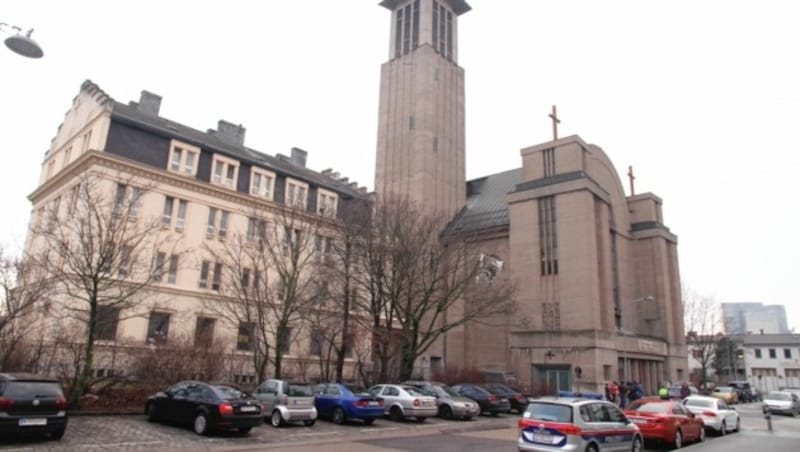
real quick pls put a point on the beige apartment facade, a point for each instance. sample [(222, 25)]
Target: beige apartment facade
[(596, 270)]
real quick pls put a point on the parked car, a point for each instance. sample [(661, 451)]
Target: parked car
[(552, 424), (726, 393), (665, 420), (488, 402), (284, 401), (449, 404), (31, 404), (403, 401), (674, 391), (715, 413), (783, 402), (743, 389), (205, 406), (516, 398), (340, 403)]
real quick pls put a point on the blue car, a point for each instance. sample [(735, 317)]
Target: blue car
[(339, 403)]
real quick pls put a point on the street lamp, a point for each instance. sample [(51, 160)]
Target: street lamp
[(625, 332), (22, 44)]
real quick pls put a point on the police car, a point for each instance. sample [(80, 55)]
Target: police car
[(580, 424)]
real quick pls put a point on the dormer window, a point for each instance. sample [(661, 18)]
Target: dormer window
[(262, 183), (183, 158), (296, 193), (326, 203), (225, 171)]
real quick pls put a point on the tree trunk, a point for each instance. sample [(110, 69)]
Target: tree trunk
[(345, 330), (86, 370), (407, 359)]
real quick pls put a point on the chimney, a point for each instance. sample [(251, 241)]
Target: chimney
[(149, 103), (299, 157), (230, 133)]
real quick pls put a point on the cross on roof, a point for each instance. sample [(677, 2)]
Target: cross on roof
[(631, 177), (556, 122)]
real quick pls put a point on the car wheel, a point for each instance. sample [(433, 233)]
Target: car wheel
[(201, 424), (637, 444), (445, 412), (591, 448), (244, 430), (677, 441), (58, 434), (369, 421), (420, 420), (738, 424), (151, 412), (309, 422), (276, 420), (702, 434), (468, 418), (396, 414), (338, 416), (723, 429)]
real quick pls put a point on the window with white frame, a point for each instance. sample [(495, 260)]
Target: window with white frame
[(183, 158), (127, 195), (296, 193), (174, 208), (326, 203), (224, 171), (212, 270), (217, 223), (262, 183)]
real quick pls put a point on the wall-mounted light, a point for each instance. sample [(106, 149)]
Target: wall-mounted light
[(549, 354)]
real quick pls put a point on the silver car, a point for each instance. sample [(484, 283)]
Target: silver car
[(783, 402), (287, 402), (450, 405), (402, 401), (575, 424), (716, 413)]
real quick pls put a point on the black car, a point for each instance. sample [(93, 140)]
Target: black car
[(31, 404), (206, 407), (516, 398), (489, 403)]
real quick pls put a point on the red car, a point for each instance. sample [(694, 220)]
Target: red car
[(665, 420)]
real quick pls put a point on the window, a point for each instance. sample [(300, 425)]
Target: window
[(204, 332), (131, 196), (225, 171), (183, 158), (322, 246), (181, 219), (758, 353), (124, 261), (549, 160), (548, 243), (317, 339), (169, 212), (764, 372), (223, 224), (442, 30), (326, 203), (296, 193), (166, 219), (245, 279), (792, 373), (204, 275), (244, 340), (262, 183), (172, 276), (158, 328), (217, 222), (291, 240), (772, 353), (107, 320), (217, 281), (256, 229), (787, 353), (158, 272)]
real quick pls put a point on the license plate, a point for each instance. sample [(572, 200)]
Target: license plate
[(428, 403), (542, 438), (32, 421), (373, 403), (248, 409)]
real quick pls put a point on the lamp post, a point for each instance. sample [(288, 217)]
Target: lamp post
[(624, 332), (20, 43)]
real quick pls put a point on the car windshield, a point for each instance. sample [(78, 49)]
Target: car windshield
[(31, 389), (548, 412), (356, 389), (228, 392), (445, 390), (414, 391), (778, 396), (299, 390), (649, 407), (702, 403)]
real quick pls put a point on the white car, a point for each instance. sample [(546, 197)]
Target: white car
[(402, 401), (716, 413), (783, 402)]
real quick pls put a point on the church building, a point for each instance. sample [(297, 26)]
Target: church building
[(599, 295)]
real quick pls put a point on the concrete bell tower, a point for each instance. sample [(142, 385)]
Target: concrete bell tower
[(420, 149)]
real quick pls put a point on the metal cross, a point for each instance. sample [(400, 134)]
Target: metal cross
[(631, 177), (556, 122)]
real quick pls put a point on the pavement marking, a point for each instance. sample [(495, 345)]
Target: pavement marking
[(125, 444)]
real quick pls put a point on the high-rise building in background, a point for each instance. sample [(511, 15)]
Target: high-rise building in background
[(754, 318)]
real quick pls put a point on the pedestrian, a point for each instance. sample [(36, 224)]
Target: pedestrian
[(623, 395), (607, 392), (663, 392), (613, 391), (685, 390)]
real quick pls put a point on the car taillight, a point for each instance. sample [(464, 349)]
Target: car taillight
[(360, 402), (6, 402), (519, 397), (61, 403), (491, 398), (709, 414), (564, 429), (225, 409), (416, 402)]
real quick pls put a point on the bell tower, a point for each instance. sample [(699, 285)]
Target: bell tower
[(420, 149)]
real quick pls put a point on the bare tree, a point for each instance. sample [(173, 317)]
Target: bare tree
[(267, 280), (22, 293), (701, 316), (423, 286), (99, 252)]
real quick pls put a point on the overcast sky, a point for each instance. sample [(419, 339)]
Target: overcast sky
[(701, 97)]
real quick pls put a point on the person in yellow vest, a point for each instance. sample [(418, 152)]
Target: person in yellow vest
[(663, 392)]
